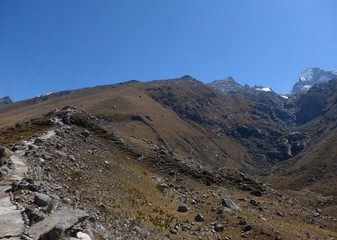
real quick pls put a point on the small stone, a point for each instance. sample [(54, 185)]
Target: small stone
[(4, 170), (85, 133), (4, 152), (83, 236), (138, 230), (38, 140), (242, 222), (247, 228), (280, 214), (76, 194), (199, 218), (182, 208), (219, 227), (245, 187), (173, 231), (52, 111), (256, 193), (53, 206), (253, 202)]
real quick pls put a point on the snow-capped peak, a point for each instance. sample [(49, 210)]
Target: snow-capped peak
[(312, 76), (263, 89)]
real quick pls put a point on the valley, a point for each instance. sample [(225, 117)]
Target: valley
[(175, 159)]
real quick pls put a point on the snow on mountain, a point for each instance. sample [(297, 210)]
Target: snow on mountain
[(44, 95), (263, 89), (312, 76)]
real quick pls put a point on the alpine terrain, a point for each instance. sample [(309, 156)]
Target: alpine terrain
[(172, 159)]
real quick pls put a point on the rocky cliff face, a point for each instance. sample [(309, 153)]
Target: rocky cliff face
[(310, 77), (5, 100)]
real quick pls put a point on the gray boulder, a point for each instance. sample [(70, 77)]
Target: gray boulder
[(41, 199), (230, 204), (54, 226)]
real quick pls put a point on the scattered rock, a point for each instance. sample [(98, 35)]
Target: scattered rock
[(219, 227), (52, 206), (4, 152), (242, 222), (199, 218), (4, 170), (76, 194), (245, 187), (83, 236), (59, 133), (38, 140), (280, 214), (41, 199), (52, 111), (253, 202), (85, 133), (256, 193), (230, 204), (182, 208), (247, 228)]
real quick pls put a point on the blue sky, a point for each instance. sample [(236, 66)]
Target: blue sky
[(67, 44)]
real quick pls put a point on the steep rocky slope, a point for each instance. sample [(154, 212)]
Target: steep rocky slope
[(315, 167)]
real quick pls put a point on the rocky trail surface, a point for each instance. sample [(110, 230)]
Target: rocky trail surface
[(11, 221), (17, 220)]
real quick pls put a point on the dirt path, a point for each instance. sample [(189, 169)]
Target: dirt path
[(11, 222)]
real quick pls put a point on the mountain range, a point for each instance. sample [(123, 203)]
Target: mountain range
[(175, 159)]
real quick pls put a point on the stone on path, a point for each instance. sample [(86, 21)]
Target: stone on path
[(57, 223), (41, 199), (10, 217)]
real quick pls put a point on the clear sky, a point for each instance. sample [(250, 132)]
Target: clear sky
[(48, 46)]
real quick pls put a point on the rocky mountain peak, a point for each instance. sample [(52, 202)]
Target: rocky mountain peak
[(312, 76), (5, 100), (228, 85)]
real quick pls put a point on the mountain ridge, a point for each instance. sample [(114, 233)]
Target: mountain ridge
[(205, 156)]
